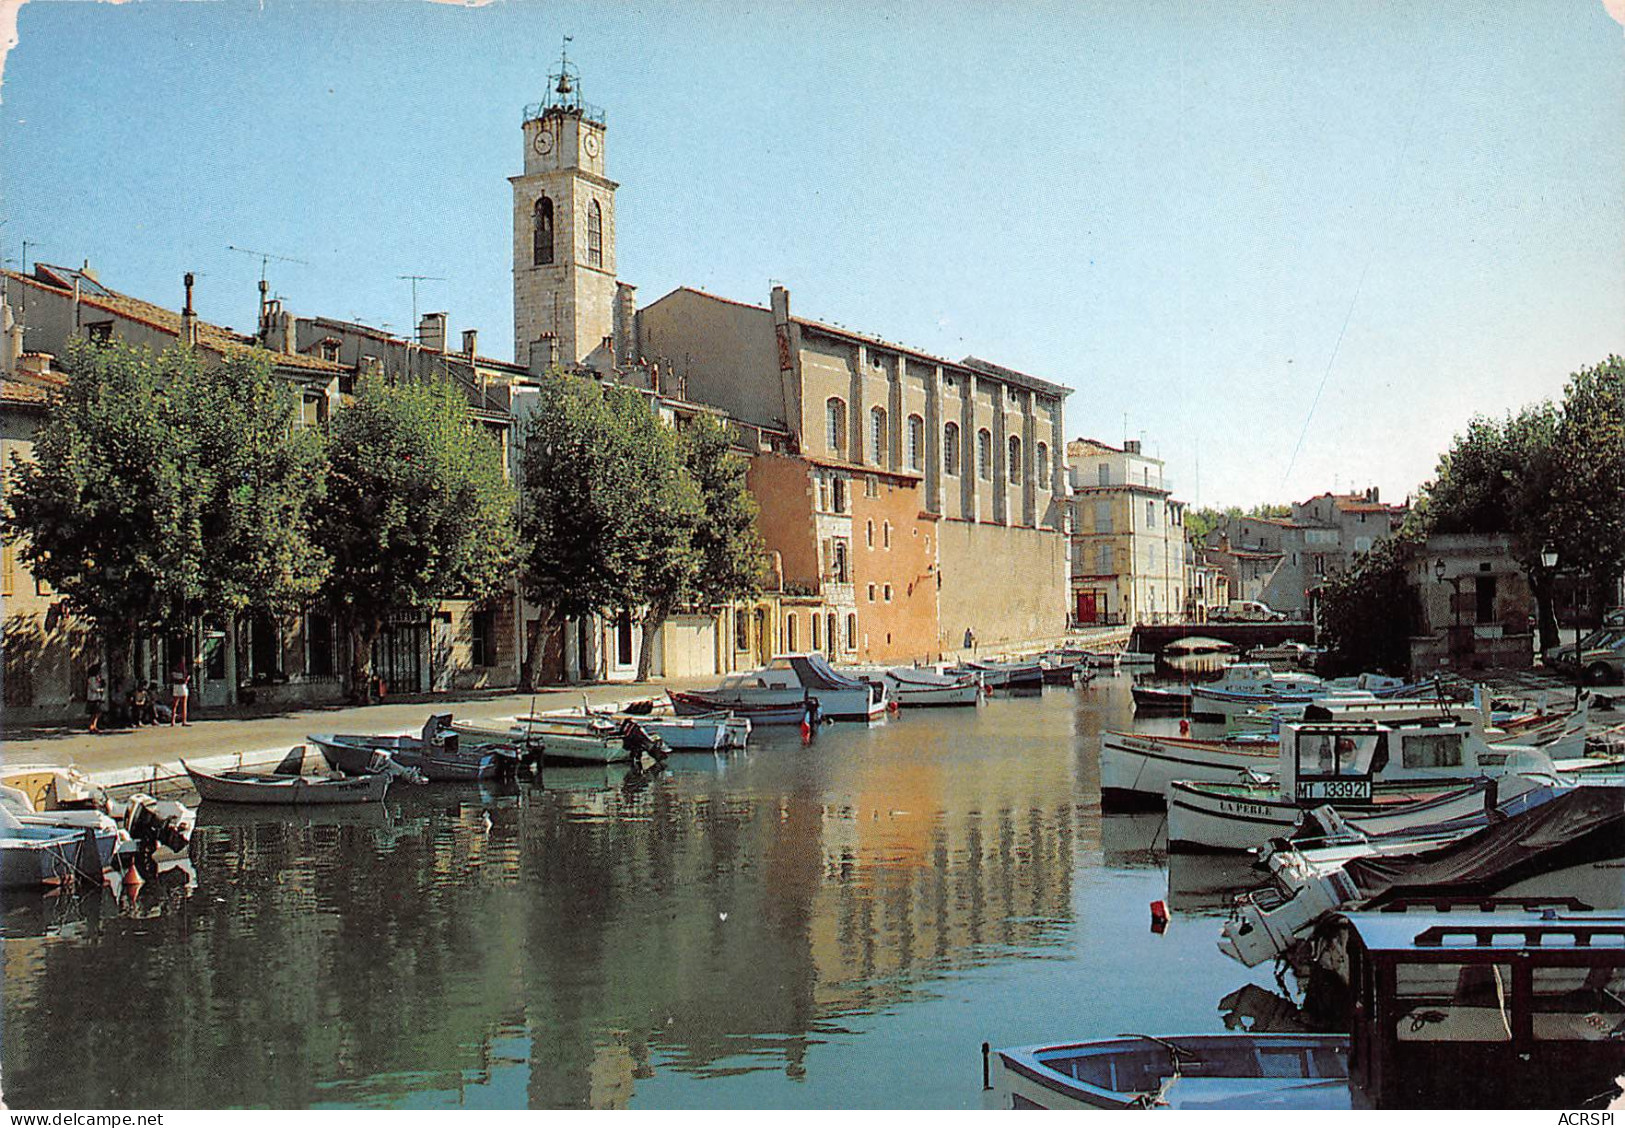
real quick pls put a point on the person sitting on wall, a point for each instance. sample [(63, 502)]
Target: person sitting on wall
[(161, 714), (140, 705)]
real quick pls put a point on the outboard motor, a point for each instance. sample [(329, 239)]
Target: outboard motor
[(437, 730), (636, 740)]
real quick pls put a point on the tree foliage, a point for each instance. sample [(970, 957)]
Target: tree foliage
[(1587, 484), (417, 510), (1368, 614), (622, 513), (163, 488), (1200, 522)]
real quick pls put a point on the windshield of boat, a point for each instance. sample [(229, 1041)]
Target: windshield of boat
[(1322, 754)]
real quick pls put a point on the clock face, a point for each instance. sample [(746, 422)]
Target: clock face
[(592, 144), (544, 141)]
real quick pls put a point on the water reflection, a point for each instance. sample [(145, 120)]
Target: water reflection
[(794, 915)]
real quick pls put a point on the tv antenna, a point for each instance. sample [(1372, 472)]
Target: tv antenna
[(265, 257), (415, 279)]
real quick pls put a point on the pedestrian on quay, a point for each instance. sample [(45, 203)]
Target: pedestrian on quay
[(970, 640), (180, 690), (96, 698)]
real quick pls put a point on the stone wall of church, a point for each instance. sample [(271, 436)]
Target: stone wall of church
[(1006, 583)]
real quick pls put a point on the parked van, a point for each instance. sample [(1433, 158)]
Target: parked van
[(1246, 611)]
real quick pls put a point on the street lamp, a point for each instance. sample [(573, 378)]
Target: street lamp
[(1548, 560), (1455, 606)]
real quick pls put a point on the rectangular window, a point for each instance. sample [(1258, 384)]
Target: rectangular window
[(482, 629), (1103, 516), (1103, 474), (817, 644), (1484, 601), (838, 493), (851, 632), (886, 593), (871, 486), (823, 493), (1150, 514), (790, 632), (100, 331), (741, 629), (871, 593), (1104, 560), (1432, 750)]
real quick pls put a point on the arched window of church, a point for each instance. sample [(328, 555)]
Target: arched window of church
[(984, 454), (543, 232), (1041, 465), (835, 426), (595, 234), (877, 435), (916, 440), (950, 449), (1015, 460)]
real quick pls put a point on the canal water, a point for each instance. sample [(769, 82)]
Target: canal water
[(839, 925)]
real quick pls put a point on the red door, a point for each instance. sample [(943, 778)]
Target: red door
[(1086, 607)]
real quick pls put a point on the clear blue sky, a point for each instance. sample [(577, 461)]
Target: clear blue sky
[(1173, 208)]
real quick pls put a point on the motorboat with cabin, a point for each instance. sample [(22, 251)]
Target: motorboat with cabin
[(1137, 768), (1378, 777)]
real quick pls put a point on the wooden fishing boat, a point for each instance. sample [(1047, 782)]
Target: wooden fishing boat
[(438, 753), (917, 686), (1004, 675), (249, 787), (1191, 1071)]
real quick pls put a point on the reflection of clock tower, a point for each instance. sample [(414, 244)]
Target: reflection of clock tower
[(563, 233)]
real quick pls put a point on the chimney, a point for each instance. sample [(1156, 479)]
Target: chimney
[(1131, 446), (471, 342), (11, 338), (265, 288), (625, 324), (788, 371), (188, 315), (432, 332), (544, 354)]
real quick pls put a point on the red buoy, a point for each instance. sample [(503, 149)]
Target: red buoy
[(1184, 726), (1159, 916)]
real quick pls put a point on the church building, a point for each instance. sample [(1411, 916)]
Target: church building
[(910, 501)]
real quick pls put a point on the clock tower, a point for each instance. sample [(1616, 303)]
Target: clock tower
[(563, 234)]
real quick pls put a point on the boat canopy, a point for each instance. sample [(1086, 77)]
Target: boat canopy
[(1579, 825)]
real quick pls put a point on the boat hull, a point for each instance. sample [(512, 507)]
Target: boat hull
[(1231, 817), (784, 711), (353, 755), (1303, 1071), (242, 787), (38, 856), (1136, 769)]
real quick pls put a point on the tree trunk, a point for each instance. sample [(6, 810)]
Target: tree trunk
[(653, 619), (536, 631), (362, 632), (1545, 613)]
